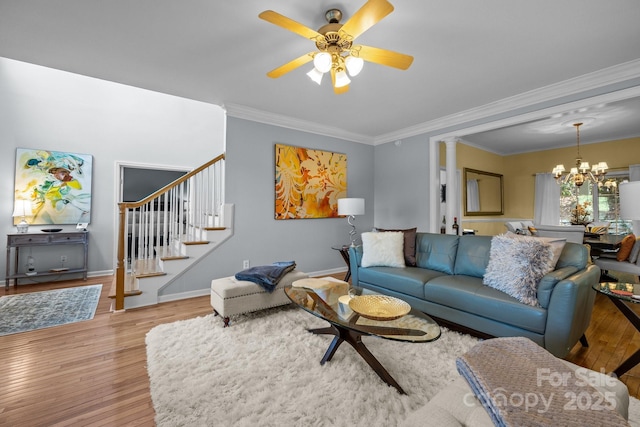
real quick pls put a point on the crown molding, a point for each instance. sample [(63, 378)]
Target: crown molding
[(597, 79), (260, 116), (619, 95)]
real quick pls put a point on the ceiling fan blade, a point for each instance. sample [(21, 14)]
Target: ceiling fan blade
[(366, 17), (384, 57), (289, 24), (291, 65), (337, 90)]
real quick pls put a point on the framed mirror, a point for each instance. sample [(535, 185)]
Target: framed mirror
[(483, 193)]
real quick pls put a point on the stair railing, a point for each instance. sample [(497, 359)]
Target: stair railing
[(180, 212)]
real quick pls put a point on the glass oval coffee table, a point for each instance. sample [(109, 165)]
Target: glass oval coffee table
[(348, 326)]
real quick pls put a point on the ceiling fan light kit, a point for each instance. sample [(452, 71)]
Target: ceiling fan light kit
[(336, 53)]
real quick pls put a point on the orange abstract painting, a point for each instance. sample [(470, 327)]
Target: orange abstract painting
[(308, 183)]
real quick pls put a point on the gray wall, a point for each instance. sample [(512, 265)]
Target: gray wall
[(402, 184), (260, 238)]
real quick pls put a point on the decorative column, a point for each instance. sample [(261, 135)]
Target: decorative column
[(434, 178), (452, 184)]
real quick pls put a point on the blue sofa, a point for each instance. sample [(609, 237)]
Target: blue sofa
[(447, 284)]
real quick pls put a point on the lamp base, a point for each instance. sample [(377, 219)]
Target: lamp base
[(22, 226)]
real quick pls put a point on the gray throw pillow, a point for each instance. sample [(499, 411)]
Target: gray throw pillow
[(516, 266)]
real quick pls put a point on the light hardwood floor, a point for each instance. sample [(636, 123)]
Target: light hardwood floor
[(94, 372)]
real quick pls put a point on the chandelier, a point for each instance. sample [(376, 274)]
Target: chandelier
[(579, 174)]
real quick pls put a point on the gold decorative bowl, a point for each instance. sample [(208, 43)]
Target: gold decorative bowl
[(379, 307)]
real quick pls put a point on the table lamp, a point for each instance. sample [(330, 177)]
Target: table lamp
[(22, 209), (350, 207), (630, 203)]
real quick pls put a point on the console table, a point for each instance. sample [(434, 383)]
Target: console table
[(16, 241)]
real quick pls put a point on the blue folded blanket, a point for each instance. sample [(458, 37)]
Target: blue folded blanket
[(267, 276)]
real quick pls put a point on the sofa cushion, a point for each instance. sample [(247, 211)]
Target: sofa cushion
[(408, 280), (473, 255), (549, 281), (517, 264), (409, 244), (383, 249), (468, 294), (436, 251)]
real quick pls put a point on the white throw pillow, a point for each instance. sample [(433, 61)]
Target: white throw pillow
[(383, 249)]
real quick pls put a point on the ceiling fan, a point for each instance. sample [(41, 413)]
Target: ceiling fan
[(337, 52)]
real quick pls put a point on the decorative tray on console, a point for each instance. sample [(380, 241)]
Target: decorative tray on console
[(379, 307)]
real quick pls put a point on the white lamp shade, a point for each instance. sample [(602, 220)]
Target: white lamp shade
[(354, 65), (630, 200), (351, 206), (342, 79), (22, 208), (315, 75), (322, 62)]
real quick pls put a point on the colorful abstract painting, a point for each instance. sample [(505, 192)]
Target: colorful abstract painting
[(308, 182), (58, 185)]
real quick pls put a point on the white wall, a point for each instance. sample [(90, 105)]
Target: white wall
[(49, 109)]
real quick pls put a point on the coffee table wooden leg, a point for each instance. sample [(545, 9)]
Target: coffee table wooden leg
[(363, 351), (631, 315), (355, 340), (328, 355), (337, 340), (632, 361)]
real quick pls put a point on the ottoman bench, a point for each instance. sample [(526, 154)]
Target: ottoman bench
[(230, 296)]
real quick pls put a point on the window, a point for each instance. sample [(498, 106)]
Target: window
[(602, 203)]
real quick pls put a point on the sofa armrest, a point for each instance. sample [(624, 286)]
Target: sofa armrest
[(355, 260), (549, 281), (569, 310)]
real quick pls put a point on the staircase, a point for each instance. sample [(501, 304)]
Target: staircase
[(163, 235)]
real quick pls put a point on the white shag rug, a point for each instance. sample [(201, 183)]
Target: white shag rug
[(264, 370)]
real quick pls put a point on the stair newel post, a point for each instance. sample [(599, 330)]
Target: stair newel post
[(120, 261)]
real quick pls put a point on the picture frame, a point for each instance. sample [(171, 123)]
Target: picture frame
[(308, 182), (57, 184)]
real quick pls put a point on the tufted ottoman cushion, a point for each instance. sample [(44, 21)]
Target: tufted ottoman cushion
[(230, 296)]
